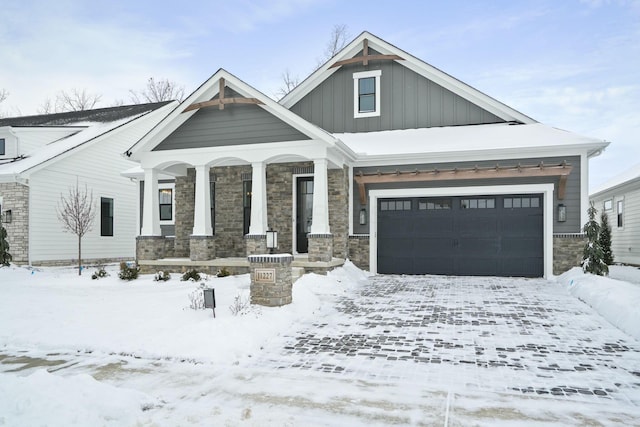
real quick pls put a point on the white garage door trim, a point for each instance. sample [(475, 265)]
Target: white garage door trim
[(545, 189)]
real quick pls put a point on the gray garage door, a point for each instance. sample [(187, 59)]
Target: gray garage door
[(475, 235)]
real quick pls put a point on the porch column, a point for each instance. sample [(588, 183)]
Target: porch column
[(258, 224), (320, 221), (202, 207), (151, 209)]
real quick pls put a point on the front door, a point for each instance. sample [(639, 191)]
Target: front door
[(304, 210)]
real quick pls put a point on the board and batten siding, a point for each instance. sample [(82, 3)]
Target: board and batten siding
[(571, 200), (235, 125), (408, 101), (98, 166), (625, 240)]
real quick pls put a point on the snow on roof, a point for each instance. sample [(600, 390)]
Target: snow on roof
[(58, 147), (626, 176), (458, 139)]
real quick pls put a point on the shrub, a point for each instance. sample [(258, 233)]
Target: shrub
[(5, 256), (592, 255), (196, 299), (192, 275), (240, 306), (605, 239), (100, 273), (223, 272), (128, 272), (161, 276)]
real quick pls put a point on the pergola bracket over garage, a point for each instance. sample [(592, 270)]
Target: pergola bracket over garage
[(561, 171)]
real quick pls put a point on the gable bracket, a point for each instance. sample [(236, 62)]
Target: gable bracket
[(221, 101), (519, 171), (365, 58)]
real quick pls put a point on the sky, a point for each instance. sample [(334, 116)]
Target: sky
[(572, 64)]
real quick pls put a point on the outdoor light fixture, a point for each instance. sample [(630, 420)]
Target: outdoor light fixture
[(363, 216), (562, 213), (272, 240), (6, 216)]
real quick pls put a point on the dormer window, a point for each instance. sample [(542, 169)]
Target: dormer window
[(366, 94)]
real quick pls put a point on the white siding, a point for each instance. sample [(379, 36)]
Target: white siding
[(98, 165), (625, 240)]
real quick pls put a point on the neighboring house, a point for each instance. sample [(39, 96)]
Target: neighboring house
[(42, 157), (619, 198), (377, 157)]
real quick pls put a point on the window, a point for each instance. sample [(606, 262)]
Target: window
[(608, 205), (212, 195), (479, 203), (395, 205), (166, 204), (366, 94), (434, 204), (620, 211), (2, 147), (521, 202), (106, 216), (246, 204)]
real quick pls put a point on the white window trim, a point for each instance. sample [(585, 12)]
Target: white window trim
[(545, 189), (604, 205), (356, 78), (618, 202), (172, 187)]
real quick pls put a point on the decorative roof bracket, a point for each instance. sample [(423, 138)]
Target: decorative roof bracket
[(221, 101), (365, 58)]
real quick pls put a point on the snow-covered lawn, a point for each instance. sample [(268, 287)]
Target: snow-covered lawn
[(76, 351)]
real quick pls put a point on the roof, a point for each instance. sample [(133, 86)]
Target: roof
[(99, 115), (56, 148), (410, 144), (625, 177), (411, 62)]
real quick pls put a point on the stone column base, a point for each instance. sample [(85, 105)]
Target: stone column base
[(271, 283), (202, 248), (320, 247), (359, 250), (256, 244), (150, 247), (567, 251)]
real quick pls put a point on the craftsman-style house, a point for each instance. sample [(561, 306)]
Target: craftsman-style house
[(377, 157)]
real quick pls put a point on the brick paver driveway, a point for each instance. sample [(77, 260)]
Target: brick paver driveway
[(518, 336)]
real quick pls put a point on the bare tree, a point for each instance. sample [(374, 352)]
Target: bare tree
[(46, 107), (337, 40), (76, 100), (158, 91), (77, 213), (3, 94)]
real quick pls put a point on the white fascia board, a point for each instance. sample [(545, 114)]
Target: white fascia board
[(464, 156), (242, 154), (546, 189)]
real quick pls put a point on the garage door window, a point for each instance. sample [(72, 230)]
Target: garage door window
[(434, 204), (521, 202), (395, 205), (478, 203)]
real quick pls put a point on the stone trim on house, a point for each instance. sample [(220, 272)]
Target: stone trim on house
[(15, 197), (567, 251), (359, 250)]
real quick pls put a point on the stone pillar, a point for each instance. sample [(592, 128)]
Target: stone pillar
[(359, 250), (202, 208), (320, 247), (271, 283), (150, 248), (256, 244), (567, 251), (202, 248), (151, 211)]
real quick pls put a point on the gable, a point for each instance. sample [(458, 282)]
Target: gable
[(408, 100), (235, 125)]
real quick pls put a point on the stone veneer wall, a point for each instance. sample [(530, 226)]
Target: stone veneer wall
[(202, 248), (567, 251), (273, 294), (185, 202), (339, 210), (256, 244), (150, 247), (359, 250), (280, 202), (15, 197), (229, 228), (320, 247)]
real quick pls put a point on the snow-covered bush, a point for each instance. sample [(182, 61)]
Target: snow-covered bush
[(605, 239), (99, 273), (191, 275), (223, 272), (128, 272), (5, 256), (593, 256), (161, 276), (240, 306), (196, 299)]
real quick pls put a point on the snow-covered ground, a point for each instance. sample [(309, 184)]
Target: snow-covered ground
[(76, 351)]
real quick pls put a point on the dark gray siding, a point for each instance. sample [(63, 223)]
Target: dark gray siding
[(571, 199), (235, 125), (408, 101)]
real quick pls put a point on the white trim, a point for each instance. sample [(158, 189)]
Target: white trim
[(376, 74), (294, 212), (172, 187), (350, 200), (545, 189), (584, 189)]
